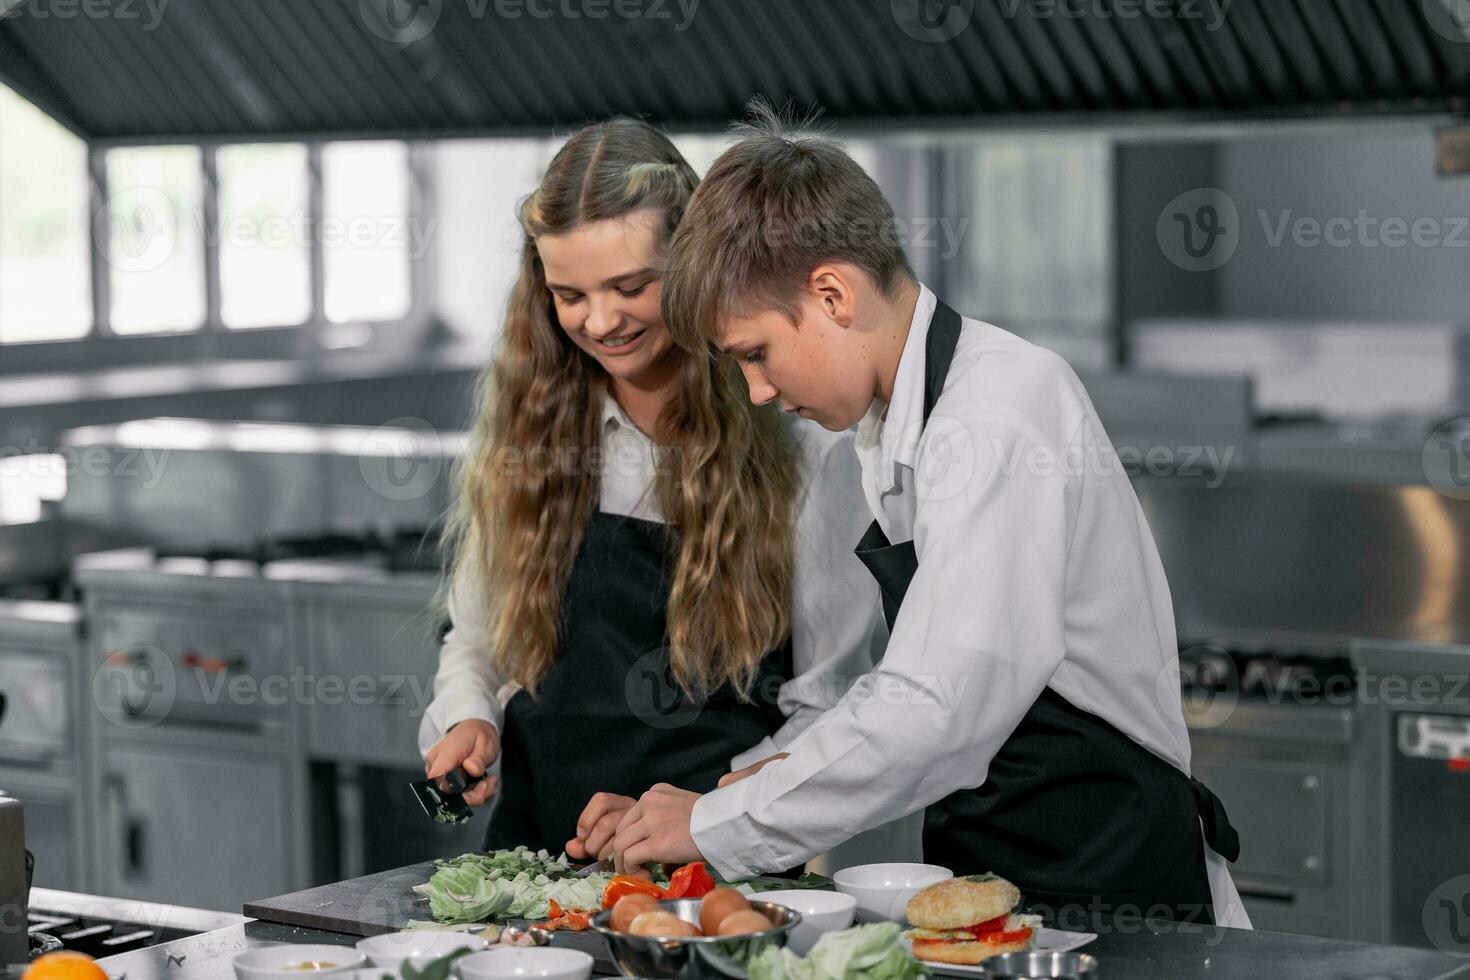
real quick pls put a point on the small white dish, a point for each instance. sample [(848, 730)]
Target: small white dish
[(284, 962), (883, 890), (821, 911), (539, 962), (392, 949)]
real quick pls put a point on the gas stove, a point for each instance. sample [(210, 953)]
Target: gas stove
[(393, 550), (106, 926)]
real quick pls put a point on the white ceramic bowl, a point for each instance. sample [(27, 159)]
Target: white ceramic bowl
[(821, 911), (538, 962), (274, 962), (883, 890), (390, 950)]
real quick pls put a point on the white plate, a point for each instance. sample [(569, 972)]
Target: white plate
[(1047, 941)]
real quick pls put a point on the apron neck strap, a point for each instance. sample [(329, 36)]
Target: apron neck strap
[(944, 334)]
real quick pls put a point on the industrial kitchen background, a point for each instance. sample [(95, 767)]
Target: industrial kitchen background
[(252, 255)]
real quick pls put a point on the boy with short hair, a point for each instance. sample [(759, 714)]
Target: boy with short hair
[(1029, 694)]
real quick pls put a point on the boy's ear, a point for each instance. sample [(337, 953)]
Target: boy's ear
[(831, 285)]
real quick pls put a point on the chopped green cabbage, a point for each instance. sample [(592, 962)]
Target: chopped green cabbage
[(516, 884), (869, 952)]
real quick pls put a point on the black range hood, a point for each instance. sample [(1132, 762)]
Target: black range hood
[(159, 70)]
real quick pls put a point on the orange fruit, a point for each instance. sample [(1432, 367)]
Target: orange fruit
[(65, 964)]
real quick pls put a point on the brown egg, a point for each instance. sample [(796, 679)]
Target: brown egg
[(660, 924), (743, 922), (717, 905), (628, 908)]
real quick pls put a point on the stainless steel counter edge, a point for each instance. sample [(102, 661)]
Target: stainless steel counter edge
[(128, 910), (1152, 950)]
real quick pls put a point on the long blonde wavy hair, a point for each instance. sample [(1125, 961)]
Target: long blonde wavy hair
[(726, 478)]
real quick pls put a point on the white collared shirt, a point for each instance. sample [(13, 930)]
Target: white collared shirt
[(837, 617), (1036, 569)]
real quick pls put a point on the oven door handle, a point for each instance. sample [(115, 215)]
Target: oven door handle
[(135, 840), (131, 835)]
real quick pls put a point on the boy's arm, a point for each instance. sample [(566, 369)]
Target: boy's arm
[(978, 637)]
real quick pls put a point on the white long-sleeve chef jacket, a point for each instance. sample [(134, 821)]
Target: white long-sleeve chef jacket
[(1036, 568), (837, 616)]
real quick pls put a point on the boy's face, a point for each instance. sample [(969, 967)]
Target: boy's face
[(814, 368)]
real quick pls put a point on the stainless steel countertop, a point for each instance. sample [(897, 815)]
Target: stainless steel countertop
[(1157, 951)]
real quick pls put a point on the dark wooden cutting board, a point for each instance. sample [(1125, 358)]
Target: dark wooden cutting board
[(367, 906), (385, 902)]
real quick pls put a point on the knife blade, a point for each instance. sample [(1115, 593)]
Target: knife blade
[(604, 866)]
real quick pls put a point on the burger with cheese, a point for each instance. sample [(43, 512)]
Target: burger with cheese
[(965, 920)]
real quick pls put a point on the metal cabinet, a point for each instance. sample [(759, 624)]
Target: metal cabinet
[(35, 710), (43, 731), (380, 651), (206, 828), (52, 831), (1283, 774)]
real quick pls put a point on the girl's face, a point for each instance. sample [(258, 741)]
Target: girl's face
[(606, 281)]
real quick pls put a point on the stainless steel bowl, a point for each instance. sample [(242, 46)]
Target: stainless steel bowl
[(698, 957), (1040, 966)]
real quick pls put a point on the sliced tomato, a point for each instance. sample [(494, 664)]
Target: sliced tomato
[(571, 920), (985, 928), (690, 881), (624, 885), (991, 935)]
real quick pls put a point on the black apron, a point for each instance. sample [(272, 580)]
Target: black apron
[(1092, 826), (609, 715)]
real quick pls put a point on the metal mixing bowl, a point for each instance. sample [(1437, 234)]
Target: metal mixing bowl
[(699, 957)]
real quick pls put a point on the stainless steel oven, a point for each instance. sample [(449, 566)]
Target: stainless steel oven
[(42, 728), (1416, 714)]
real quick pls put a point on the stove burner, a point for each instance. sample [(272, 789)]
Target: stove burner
[(408, 550), (93, 936)]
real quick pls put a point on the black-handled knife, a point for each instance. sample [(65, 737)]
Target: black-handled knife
[(442, 806)]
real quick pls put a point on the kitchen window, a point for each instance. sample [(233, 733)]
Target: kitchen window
[(155, 239), (118, 255), (44, 292), (264, 230), (366, 235)]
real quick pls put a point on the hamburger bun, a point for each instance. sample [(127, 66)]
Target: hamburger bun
[(967, 954), (960, 903)]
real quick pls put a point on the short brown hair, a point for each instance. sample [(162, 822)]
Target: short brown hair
[(774, 206)]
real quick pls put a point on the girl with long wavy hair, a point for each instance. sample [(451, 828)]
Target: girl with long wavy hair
[(652, 578)]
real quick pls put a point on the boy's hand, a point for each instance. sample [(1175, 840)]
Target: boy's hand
[(656, 829), (748, 771)]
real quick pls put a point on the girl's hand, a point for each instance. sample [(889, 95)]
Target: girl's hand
[(596, 826), (472, 745)]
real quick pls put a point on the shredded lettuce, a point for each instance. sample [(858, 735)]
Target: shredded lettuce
[(516, 884), (869, 952)]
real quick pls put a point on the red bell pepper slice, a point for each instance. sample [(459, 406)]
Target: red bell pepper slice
[(690, 881), (624, 885)]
